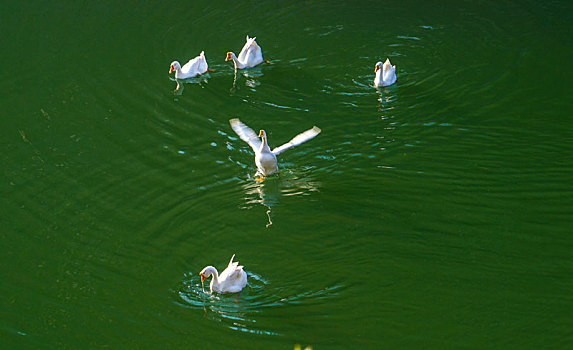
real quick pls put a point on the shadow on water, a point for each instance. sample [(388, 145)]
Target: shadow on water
[(239, 311)]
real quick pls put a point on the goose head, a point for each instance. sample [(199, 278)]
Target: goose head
[(174, 66), (207, 272), (378, 66), (230, 56), (264, 145)]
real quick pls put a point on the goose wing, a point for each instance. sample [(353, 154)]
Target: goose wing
[(297, 140), (246, 134), (190, 66), (232, 272), (254, 55), (203, 66), (197, 65), (246, 48)]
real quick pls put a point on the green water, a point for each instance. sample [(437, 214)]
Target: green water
[(432, 214)]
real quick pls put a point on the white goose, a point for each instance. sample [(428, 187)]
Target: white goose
[(194, 67), (250, 55), (385, 74), (265, 159), (232, 280)]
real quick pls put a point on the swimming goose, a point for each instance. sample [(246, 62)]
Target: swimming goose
[(265, 159), (232, 280), (385, 74), (250, 55), (194, 67)]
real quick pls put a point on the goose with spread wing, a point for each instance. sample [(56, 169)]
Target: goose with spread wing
[(265, 158), (232, 280), (250, 55)]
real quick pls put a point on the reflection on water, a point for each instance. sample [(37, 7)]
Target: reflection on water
[(268, 192), (298, 182), (239, 311), (452, 178), (386, 97), (251, 75), (265, 193), (200, 80)]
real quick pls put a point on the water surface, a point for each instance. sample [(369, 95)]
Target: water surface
[(434, 213)]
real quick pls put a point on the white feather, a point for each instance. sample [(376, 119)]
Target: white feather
[(246, 134), (194, 67), (250, 56), (232, 280), (385, 73), (298, 139), (265, 159)]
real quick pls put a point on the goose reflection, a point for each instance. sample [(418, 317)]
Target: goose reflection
[(386, 98), (265, 194), (268, 193), (251, 75), (199, 80)]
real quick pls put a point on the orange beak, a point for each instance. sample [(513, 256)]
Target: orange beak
[(228, 56), (260, 133), (202, 277), (376, 68), (170, 69)]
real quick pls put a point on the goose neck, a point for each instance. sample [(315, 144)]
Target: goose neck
[(215, 273), (238, 64), (264, 144)]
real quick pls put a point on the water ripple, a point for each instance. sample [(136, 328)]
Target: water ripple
[(240, 311)]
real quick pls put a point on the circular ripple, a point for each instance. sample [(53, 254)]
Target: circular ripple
[(239, 311)]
